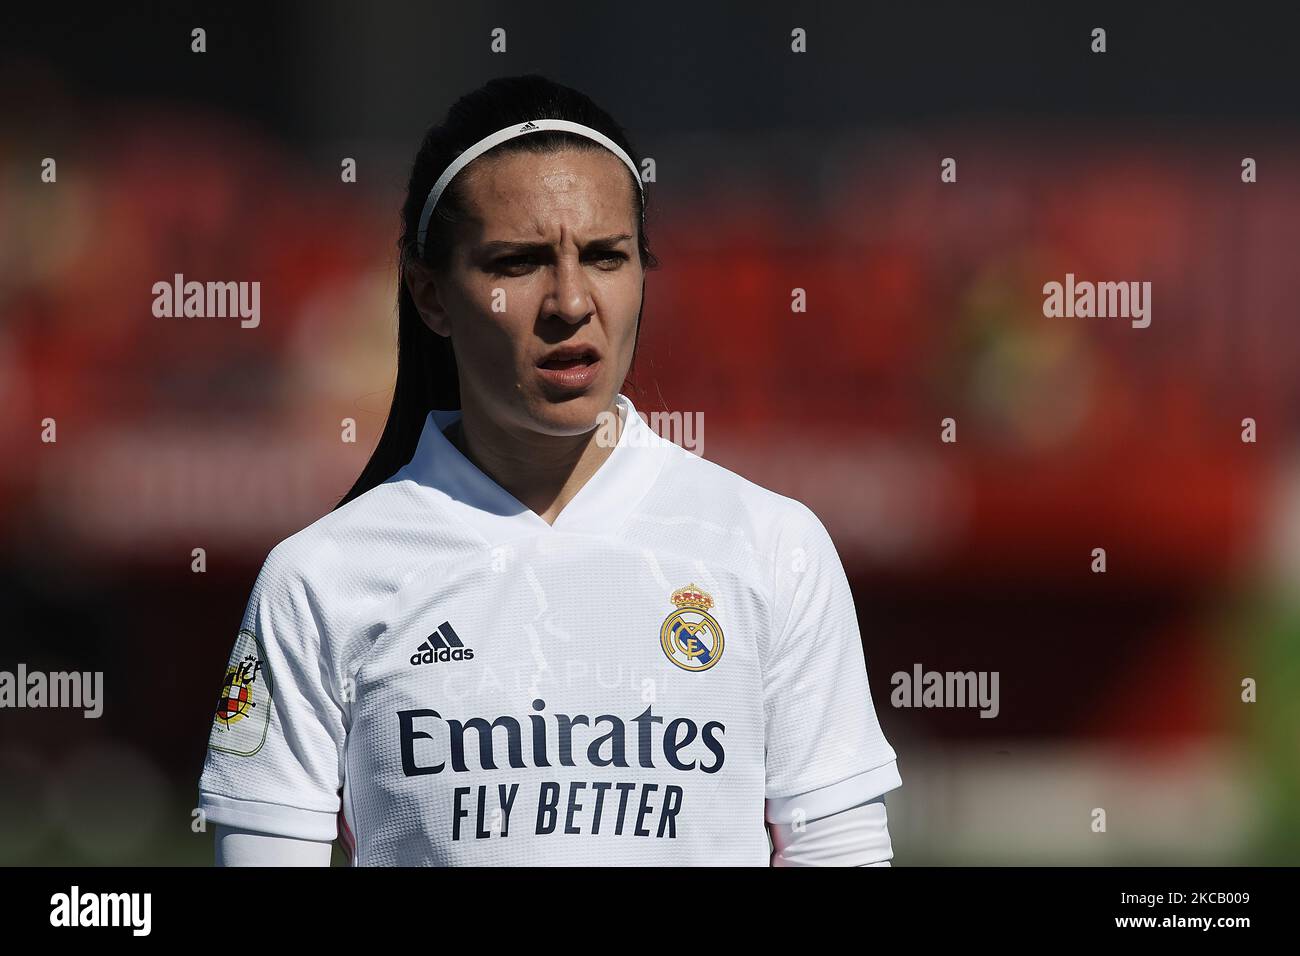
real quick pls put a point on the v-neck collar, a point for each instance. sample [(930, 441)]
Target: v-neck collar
[(599, 507)]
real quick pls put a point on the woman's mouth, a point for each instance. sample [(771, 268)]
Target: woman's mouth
[(566, 363), (570, 368)]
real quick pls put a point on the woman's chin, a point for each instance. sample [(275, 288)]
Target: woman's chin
[(571, 415)]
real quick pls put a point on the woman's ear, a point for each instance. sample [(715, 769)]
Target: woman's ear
[(422, 283)]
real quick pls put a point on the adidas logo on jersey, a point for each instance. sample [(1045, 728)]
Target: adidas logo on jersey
[(442, 645)]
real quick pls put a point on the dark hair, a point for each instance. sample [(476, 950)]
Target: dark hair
[(426, 363)]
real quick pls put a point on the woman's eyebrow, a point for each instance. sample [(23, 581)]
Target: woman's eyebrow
[(511, 245)]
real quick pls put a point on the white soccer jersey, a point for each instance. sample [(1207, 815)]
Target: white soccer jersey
[(441, 677)]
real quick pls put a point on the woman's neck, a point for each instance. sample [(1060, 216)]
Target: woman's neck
[(544, 472)]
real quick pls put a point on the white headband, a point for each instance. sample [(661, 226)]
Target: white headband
[(510, 132)]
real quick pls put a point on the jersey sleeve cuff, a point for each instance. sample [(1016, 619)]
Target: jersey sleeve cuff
[(824, 801), (273, 818)]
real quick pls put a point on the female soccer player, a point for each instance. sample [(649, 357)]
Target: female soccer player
[(534, 632)]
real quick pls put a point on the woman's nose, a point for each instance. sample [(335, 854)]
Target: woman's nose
[(569, 297)]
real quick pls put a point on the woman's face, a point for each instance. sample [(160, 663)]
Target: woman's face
[(547, 262)]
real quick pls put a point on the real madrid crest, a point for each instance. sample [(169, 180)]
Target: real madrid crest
[(690, 636)]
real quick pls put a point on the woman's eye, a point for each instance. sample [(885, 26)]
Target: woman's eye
[(510, 264), (518, 265)]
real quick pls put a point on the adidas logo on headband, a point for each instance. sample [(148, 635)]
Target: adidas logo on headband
[(500, 136)]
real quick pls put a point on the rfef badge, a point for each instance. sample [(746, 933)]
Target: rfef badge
[(244, 705), (690, 636)]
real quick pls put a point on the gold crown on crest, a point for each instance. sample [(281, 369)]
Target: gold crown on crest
[(692, 596)]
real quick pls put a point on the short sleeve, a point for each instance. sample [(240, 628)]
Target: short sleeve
[(825, 749), (274, 758)]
